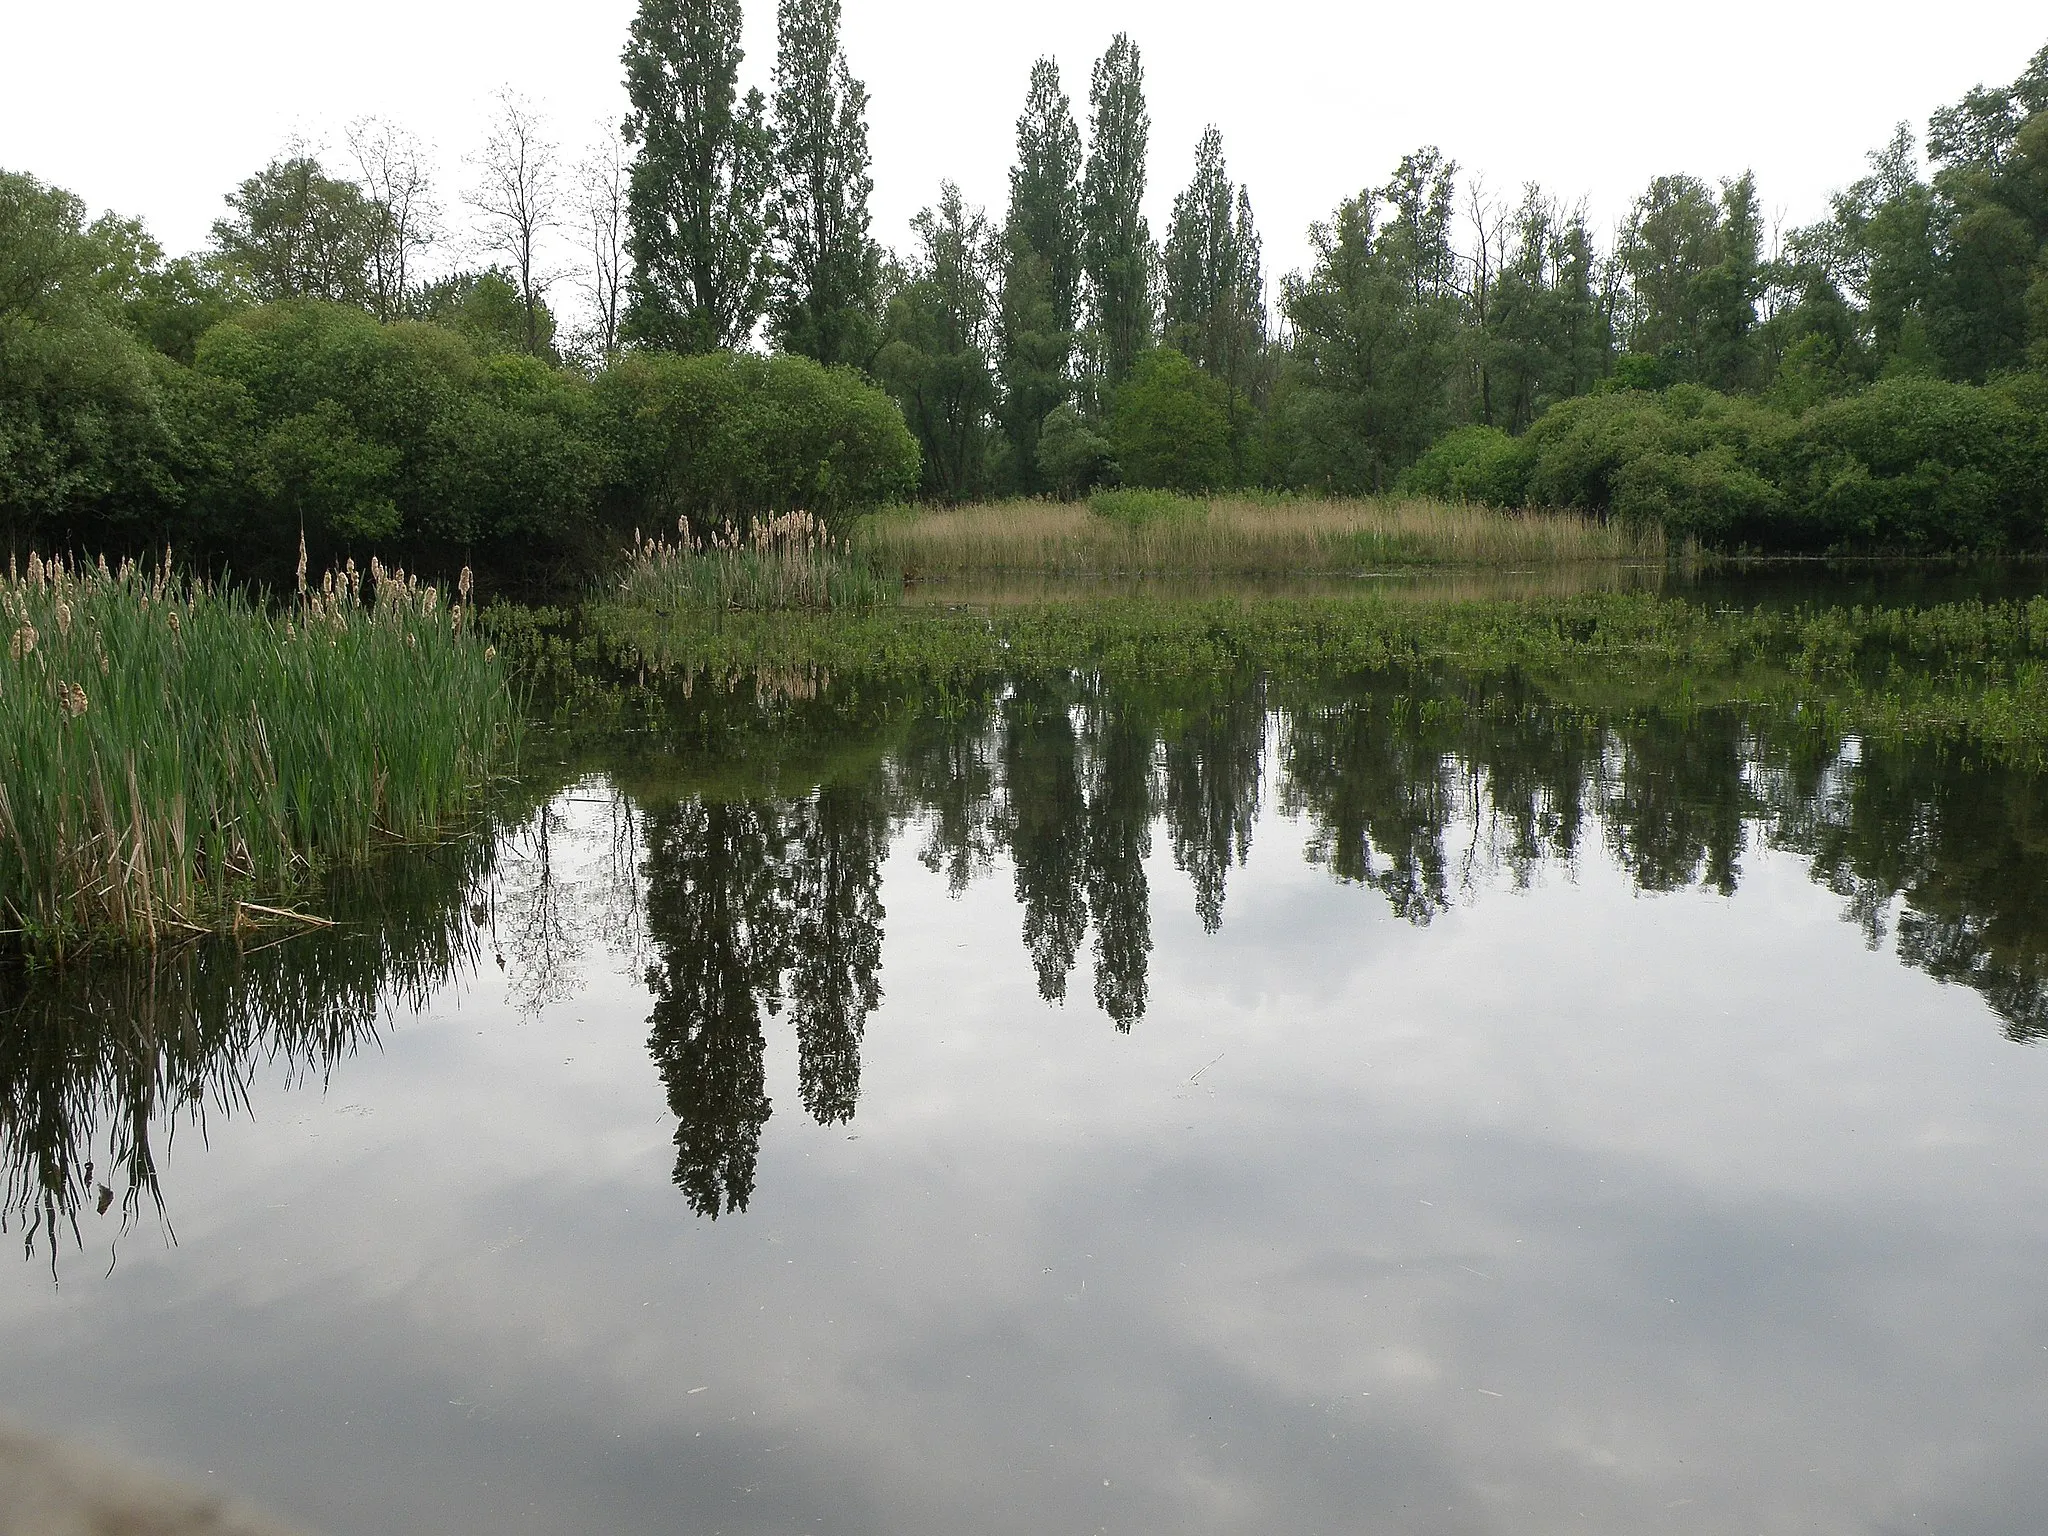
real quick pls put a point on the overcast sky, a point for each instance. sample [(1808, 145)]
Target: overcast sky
[(159, 108)]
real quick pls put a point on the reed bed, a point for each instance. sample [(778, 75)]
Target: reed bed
[(778, 564), (176, 757), (1226, 536)]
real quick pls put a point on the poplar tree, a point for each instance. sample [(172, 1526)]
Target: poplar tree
[(826, 272), (1215, 289), (1041, 269), (1045, 189), (1117, 246), (695, 202)]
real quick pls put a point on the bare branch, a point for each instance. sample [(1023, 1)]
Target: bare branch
[(392, 169), (517, 192)]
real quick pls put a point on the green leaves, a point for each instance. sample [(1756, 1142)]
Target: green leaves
[(700, 182), (737, 436), (825, 289)]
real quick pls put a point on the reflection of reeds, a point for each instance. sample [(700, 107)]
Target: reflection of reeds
[(1235, 535), (170, 749), (105, 1061), (778, 563)]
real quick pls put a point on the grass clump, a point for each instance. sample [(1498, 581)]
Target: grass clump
[(172, 752), (1155, 532), (778, 564)]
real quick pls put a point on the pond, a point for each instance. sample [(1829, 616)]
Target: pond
[(1068, 1106)]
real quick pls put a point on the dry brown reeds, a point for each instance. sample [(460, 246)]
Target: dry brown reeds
[(1226, 535)]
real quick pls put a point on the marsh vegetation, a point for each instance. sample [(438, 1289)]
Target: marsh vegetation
[(1133, 532), (178, 757)]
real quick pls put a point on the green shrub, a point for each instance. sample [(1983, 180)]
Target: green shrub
[(1073, 456), (391, 438), (734, 436), (1169, 426), (1690, 461), (1481, 464), (84, 440), (1920, 464)]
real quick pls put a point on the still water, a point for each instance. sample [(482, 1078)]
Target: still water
[(1064, 1108)]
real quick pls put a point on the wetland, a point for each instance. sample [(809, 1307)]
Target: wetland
[(1457, 1082)]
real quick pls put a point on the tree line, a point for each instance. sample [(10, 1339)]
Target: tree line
[(1872, 379)]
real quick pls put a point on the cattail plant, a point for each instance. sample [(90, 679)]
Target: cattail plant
[(789, 561), (175, 756)]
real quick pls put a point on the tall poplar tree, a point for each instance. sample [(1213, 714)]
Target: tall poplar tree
[(1215, 289), (826, 273), (1041, 269), (1045, 189), (696, 199), (1117, 248)]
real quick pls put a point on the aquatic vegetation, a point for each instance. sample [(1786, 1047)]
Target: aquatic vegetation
[(1156, 531), (176, 757), (1971, 669), (790, 561)]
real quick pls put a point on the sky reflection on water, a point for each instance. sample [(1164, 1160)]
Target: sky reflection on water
[(1497, 1119)]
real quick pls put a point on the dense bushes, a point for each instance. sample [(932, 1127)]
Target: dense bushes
[(396, 438), (728, 435), (1911, 465), (429, 444)]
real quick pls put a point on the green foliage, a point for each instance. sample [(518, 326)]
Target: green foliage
[(1689, 461), (1911, 465), (1073, 456), (1920, 464), (390, 437), (1376, 335), (1472, 464), (295, 740), (699, 183), (85, 434), (936, 356), (1170, 425), (1117, 242), (735, 436), (297, 233), (1039, 306), (1215, 288), (486, 310), (1134, 508), (825, 289)]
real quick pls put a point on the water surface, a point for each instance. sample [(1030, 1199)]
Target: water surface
[(1067, 1107)]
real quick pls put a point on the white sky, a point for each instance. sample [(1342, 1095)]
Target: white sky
[(158, 107)]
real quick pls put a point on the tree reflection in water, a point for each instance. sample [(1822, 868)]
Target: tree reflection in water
[(740, 869)]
